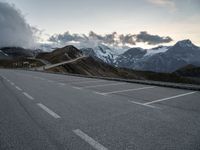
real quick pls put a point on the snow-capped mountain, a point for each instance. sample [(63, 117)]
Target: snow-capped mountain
[(158, 59), (167, 59), (130, 57), (102, 52)]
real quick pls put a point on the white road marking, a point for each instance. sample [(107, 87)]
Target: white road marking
[(135, 89), (50, 112), (27, 95), (102, 85), (12, 83), (143, 104), (18, 88), (50, 81), (89, 140), (168, 98), (78, 88)]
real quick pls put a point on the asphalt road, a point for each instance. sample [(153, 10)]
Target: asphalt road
[(42, 111)]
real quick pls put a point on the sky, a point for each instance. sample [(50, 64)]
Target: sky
[(148, 22)]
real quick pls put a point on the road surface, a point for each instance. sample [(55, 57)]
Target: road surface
[(50, 111), (48, 66)]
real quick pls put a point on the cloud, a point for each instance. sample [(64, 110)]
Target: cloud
[(152, 39), (113, 39), (127, 39), (14, 31), (164, 3), (92, 39)]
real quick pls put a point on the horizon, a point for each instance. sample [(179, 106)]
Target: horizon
[(144, 23)]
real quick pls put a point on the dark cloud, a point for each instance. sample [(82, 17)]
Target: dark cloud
[(107, 39), (14, 31), (66, 37), (93, 39), (152, 39), (113, 39), (127, 39)]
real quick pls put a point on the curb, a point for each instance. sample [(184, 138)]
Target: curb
[(147, 82)]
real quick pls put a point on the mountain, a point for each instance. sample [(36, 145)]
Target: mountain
[(86, 66), (4, 56), (181, 54), (159, 59), (102, 52), (14, 57), (61, 54), (130, 57), (16, 52)]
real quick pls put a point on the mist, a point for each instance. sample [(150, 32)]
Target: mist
[(14, 29)]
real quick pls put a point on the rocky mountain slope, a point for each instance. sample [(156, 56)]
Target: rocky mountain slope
[(61, 54), (159, 59), (88, 65)]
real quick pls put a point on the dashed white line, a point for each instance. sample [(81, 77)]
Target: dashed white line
[(120, 91), (168, 98), (18, 88), (102, 85), (78, 88), (50, 112), (89, 140), (27, 95)]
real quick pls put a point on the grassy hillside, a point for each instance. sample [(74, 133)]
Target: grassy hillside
[(61, 54), (91, 67), (20, 63), (189, 71)]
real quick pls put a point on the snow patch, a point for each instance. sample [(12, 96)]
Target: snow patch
[(151, 52)]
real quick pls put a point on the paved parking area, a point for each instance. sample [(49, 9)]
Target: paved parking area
[(107, 114)]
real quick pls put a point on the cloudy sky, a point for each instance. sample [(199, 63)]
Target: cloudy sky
[(145, 23)]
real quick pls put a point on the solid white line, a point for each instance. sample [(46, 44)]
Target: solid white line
[(143, 104), (168, 98), (78, 88), (18, 88), (135, 89), (89, 140), (12, 83), (50, 112), (101, 85), (27, 95)]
